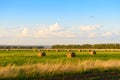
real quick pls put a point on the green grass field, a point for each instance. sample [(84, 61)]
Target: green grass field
[(21, 62), (21, 57)]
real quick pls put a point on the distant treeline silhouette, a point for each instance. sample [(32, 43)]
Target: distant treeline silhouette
[(87, 46), (20, 47)]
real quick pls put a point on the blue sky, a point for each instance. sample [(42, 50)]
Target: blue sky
[(48, 22)]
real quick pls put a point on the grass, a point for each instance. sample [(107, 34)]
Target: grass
[(30, 57), (57, 69), (25, 64)]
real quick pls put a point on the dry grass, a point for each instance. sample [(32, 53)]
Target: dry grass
[(12, 71)]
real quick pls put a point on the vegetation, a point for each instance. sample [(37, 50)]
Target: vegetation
[(21, 57), (48, 70), (84, 46), (26, 65), (88, 46), (20, 47)]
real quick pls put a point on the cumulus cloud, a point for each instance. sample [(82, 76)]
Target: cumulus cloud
[(89, 28), (55, 27), (21, 32), (48, 31), (105, 34), (25, 32), (92, 35), (66, 33), (53, 31), (55, 34)]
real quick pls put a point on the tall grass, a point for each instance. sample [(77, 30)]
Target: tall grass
[(53, 69)]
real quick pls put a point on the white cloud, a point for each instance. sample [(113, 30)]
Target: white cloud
[(53, 31), (92, 35), (56, 34), (105, 34), (55, 27), (0, 33), (24, 32), (66, 33), (89, 28), (21, 32)]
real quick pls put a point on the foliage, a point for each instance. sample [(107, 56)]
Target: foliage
[(88, 46), (20, 47)]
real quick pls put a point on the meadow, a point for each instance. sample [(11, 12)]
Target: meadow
[(25, 64)]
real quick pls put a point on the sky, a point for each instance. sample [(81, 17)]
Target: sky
[(51, 22)]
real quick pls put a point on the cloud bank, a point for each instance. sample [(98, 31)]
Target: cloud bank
[(55, 33)]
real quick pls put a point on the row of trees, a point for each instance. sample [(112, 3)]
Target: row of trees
[(84, 46), (87, 46), (20, 47)]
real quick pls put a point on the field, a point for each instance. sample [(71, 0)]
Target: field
[(25, 64)]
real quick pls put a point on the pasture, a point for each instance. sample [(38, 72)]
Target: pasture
[(55, 63)]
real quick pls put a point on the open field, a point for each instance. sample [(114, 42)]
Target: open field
[(25, 64), (21, 57)]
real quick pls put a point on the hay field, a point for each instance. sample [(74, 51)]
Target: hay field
[(25, 64)]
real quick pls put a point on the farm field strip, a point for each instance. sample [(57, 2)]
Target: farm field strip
[(25, 64), (21, 57)]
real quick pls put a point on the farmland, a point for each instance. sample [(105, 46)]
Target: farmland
[(55, 63)]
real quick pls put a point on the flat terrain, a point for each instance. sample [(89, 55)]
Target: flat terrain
[(21, 57), (25, 64)]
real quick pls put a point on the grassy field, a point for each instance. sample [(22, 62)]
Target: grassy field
[(25, 64)]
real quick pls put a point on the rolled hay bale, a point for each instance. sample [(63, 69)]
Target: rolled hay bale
[(47, 50), (68, 50), (7, 49), (92, 52), (57, 50), (80, 50), (41, 54), (35, 50), (71, 54)]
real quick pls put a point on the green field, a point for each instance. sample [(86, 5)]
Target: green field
[(56, 64), (21, 57)]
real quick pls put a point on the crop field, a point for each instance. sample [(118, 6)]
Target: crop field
[(26, 65)]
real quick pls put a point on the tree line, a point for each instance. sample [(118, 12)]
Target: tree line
[(20, 47), (87, 46)]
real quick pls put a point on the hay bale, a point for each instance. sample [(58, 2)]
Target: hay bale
[(35, 50), (68, 50), (80, 50), (57, 50), (38, 49), (41, 54), (47, 50), (71, 54), (7, 49), (92, 52)]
